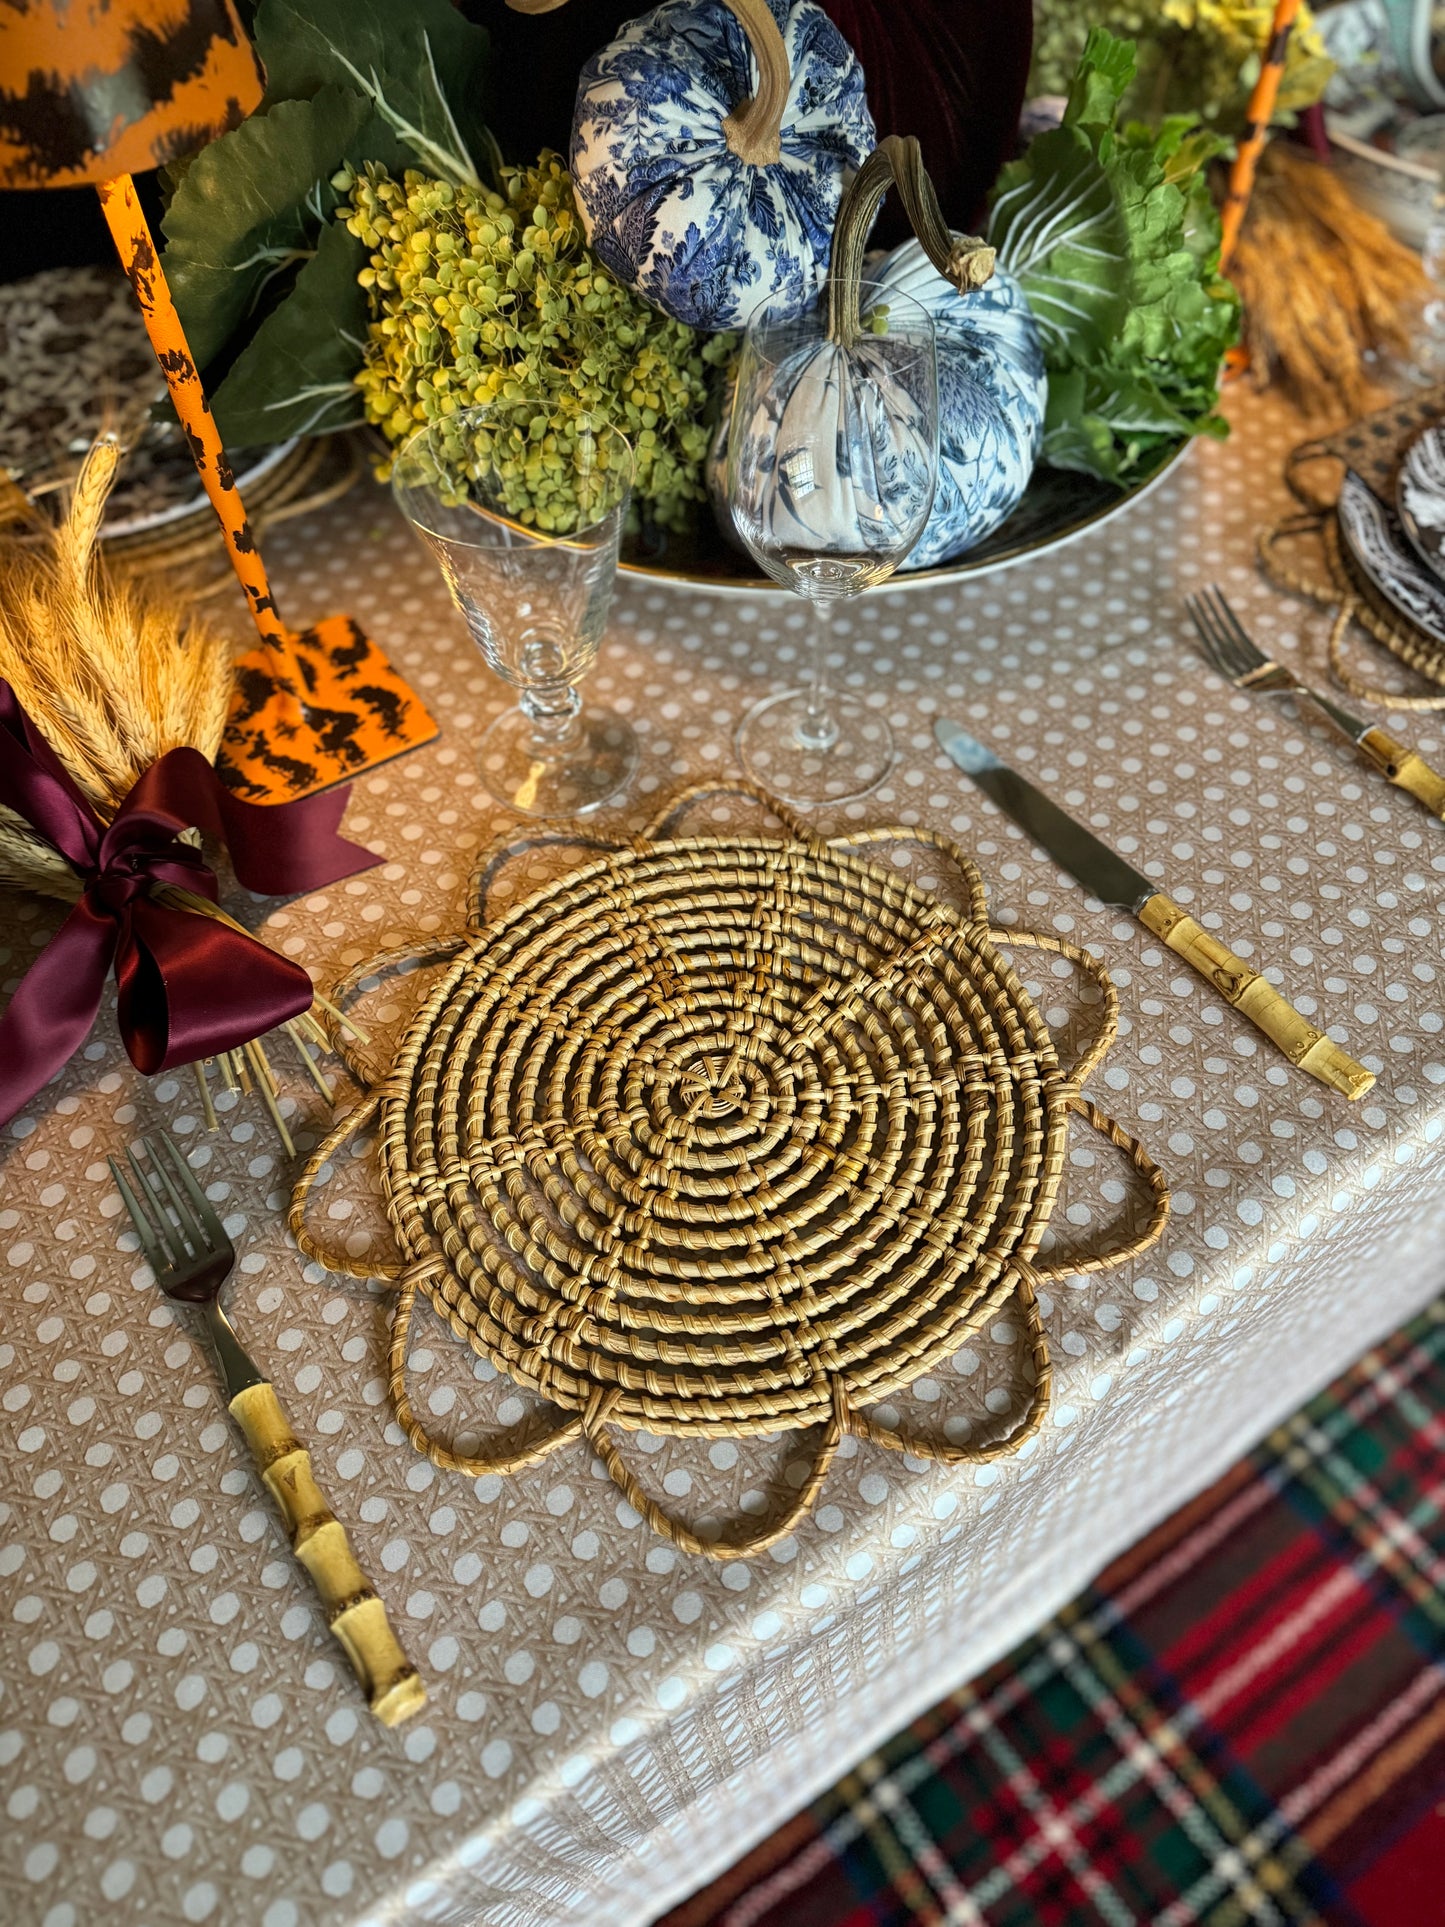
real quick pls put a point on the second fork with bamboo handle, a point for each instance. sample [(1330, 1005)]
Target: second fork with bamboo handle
[(1229, 648), (186, 1246)]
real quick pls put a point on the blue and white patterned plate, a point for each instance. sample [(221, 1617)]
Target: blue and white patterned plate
[(1420, 498), (1376, 541)]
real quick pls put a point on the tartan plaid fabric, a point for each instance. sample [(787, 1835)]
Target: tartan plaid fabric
[(1242, 1720)]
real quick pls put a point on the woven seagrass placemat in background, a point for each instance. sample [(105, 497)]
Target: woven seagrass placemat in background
[(1372, 448)]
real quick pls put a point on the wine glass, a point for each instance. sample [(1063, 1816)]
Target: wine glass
[(832, 466), (525, 515)]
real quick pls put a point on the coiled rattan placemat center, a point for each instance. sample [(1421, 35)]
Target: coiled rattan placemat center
[(725, 1135)]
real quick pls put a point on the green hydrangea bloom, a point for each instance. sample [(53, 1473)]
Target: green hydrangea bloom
[(480, 296)]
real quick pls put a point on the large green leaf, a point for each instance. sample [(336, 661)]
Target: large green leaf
[(1107, 422), (249, 207), (418, 61), (1106, 68), (1114, 237), (1060, 231), (294, 377)]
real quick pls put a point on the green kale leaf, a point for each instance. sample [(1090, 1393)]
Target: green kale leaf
[(1114, 238)]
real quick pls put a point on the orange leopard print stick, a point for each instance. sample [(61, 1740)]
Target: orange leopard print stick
[(1256, 129), (139, 259)]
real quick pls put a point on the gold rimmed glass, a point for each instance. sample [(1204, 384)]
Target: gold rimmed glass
[(525, 517)]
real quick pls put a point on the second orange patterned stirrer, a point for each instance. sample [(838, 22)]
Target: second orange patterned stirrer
[(1256, 128)]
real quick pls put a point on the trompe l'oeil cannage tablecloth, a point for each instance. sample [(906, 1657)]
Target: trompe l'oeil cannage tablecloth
[(610, 1721)]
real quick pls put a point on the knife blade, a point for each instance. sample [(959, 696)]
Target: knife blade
[(1105, 875)]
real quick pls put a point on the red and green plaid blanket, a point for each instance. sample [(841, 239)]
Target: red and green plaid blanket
[(1242, 1720)]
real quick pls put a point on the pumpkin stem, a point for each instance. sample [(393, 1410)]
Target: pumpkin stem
[(896, 161), (753, 129)]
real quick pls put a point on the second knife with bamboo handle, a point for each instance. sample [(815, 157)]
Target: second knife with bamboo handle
[(1253, 998), (1104, 873)]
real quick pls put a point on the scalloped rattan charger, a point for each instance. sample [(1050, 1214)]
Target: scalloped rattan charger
[(724, 1135)]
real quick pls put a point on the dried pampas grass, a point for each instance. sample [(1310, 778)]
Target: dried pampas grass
[(1324, 285), (112, 674)]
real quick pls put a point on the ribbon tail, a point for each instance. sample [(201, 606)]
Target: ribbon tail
[(190, 987), (53, 1010), (35, 784), (279, 849)]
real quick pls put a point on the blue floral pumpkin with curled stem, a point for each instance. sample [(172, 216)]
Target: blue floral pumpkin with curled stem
[(992, 390), (992, 386), (712, 143)]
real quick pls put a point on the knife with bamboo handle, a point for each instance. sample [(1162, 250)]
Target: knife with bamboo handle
[(1113, 881)]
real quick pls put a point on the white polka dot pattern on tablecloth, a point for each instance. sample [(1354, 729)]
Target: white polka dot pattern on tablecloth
[(179, 1738)]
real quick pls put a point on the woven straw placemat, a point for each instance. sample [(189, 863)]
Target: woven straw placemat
[(723, 1135)]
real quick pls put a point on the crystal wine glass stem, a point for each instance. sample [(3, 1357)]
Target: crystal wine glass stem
[(818, 728), (552, 709)]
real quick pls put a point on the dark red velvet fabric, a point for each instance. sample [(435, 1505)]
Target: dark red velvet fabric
[(953, 72)]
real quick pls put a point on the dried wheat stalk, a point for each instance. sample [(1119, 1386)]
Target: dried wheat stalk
[(111, 673), (1323, 283)]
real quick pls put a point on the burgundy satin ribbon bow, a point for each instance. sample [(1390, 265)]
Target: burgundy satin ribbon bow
[(189, 986)]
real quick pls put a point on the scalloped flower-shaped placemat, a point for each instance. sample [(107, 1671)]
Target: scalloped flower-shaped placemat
[(724, 1135)]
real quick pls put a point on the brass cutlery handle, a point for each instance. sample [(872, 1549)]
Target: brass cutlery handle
[(1405, 769), (354, 1613), (1259, 1001)]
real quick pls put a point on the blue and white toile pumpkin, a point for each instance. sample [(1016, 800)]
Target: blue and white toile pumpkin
[(992, 387), (709, 160), (835, 459), (992, 390)]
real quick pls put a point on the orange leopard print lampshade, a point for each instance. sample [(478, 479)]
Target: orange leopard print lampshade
[(90, 89)]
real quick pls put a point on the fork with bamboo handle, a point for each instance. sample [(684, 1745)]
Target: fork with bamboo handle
[(187, 1248), (1230, 648)]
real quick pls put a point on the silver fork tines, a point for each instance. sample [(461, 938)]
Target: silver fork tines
[(144, 1221), (167, 1244), (1229, 647), (183, 1240), (203, 1217)]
